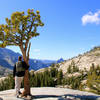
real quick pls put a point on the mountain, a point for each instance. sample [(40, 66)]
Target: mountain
[(83, 61), (48, 61), (38, 64), (4, 71), (60, 60), (9, 57)]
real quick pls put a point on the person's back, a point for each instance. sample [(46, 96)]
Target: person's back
[(18, 73), (20, 69)]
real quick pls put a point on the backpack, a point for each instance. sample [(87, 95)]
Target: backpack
[(19, 66)]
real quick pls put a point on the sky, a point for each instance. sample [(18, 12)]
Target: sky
[(71, 27)]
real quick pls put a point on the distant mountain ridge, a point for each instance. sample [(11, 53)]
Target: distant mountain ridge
[(9, 57), (4, 71), (60, 60), (83, 60)]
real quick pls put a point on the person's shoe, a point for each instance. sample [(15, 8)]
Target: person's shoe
[(19, 92), (17, 96), (29, 97), (20, 96)]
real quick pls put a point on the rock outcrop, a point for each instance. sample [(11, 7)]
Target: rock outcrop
[(83, 61), (50, 93)]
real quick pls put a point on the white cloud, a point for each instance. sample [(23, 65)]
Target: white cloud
[(91, 18), (36, 50)]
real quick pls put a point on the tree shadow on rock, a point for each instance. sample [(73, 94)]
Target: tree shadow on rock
[(83, 97), (44, 96), (68, 97)]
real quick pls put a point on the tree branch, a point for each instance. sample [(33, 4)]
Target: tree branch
[(23, 52), (28, 51), (26, 44), (30, 26)]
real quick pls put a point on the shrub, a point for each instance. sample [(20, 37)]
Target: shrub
[(72, 68), (93, 80)]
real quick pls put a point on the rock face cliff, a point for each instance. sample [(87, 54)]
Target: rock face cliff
[(83, 61)]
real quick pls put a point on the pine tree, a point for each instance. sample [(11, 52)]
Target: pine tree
[(69, 69), (59, 77), (93, 79), (93, 83), (72, 68), (53, 72)]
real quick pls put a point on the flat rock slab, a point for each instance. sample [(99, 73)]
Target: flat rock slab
[(51, 93)]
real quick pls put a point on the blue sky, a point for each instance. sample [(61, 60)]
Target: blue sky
[(71, 27)]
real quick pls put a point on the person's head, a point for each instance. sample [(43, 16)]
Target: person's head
[(20, 58)]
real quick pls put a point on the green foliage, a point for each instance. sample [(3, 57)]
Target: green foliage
[(53, 65), (69, 70), (96, 48), (93, 81), (7, 83), (82, 87), (53, 72), (57, 65), (72, 68), (47, 78), (20, 28), (53, 77), (73, 82), (59, 77)]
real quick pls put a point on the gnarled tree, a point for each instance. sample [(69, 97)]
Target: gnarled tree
[(18, 31)]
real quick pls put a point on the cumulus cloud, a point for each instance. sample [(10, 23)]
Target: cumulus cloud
[(91, 18)]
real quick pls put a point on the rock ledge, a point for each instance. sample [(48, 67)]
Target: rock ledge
[(51, 93)]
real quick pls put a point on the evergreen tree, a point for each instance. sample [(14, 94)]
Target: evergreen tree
[(53, 72), (53, 65), (59, 77), (93, 83), (72, 68), (69, 70)]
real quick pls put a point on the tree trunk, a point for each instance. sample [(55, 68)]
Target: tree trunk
[(26, 77), (26, 84)]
